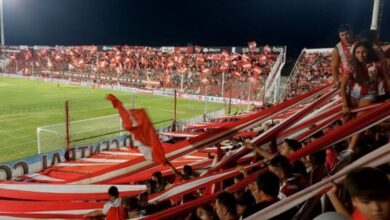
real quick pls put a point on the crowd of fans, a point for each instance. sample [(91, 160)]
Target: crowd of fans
[(187, 68), (282, 180), (313, 69), (366, 191)]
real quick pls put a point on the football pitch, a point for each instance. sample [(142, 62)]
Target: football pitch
[(28, 104)]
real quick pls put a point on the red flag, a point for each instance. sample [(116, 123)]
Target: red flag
[(257, 70), (267, 49), (137, 122), (205, 81), (233, 56), (252, 45), (245, 57), (225, 53), (246, 65), (198, 49), (262, 57), (206, 71), (237, 74)]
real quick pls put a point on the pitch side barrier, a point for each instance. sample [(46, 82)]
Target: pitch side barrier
[(157, 92), (372, 117)]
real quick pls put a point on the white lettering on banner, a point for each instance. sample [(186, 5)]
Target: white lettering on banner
[(167, 49), (247, 50), (211, 50), (43, 161), (278, 49)]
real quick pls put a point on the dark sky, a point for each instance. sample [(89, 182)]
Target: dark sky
[(295, 23)]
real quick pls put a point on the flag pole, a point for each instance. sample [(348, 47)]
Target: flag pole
[(174, 111), (230, 100), (67, 137), (205, 107)]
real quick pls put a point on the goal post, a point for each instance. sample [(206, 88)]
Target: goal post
[(81, 132)]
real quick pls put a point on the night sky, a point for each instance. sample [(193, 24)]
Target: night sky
[(295, 23)]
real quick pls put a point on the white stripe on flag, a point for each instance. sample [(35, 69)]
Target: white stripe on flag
[(68, 188), (102, 160), (44, 177)]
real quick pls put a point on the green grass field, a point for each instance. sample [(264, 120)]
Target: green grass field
[(28, 104)]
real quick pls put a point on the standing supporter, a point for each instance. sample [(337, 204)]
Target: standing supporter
[(112, 209), (360, 83), (225, 206), (341, 54), (380, 49)]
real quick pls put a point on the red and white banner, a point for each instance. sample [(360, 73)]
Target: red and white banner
[(137, 122)]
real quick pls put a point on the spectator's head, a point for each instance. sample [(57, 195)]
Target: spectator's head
[(369, 189), (205, 212), (225, 206), (113, 192), (150, 187), (363, 53), (132, 206), (345, 33), (187, 170), (268, 184), (281, 167), (244, 200), (157, 177), (289, 146), (318, 158)]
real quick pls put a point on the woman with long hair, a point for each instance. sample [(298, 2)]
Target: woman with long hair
[(359, 86)]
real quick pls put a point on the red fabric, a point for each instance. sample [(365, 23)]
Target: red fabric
[(252, 44), (356, 215), (116, 213), (143, 130), (293, 185), (331, 158)]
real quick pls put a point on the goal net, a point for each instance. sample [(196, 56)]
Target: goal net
[(81, 132)]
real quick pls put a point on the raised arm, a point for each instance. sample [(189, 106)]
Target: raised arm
[(335, 66)]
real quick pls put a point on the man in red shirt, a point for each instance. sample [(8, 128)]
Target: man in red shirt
[(112, 209)]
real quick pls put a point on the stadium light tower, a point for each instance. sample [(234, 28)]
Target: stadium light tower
[(2, 22), (376, 15)]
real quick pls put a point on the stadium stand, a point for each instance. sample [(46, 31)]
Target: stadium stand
[(188, 69), (310, 114)]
